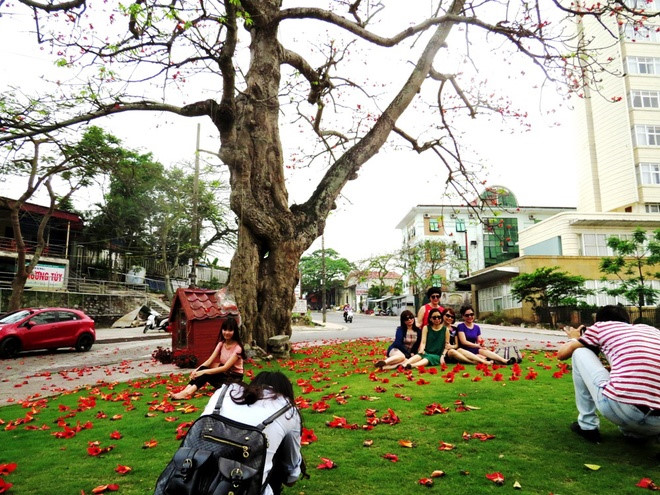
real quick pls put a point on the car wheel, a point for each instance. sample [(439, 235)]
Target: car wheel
[(10, 347), (85, 342)]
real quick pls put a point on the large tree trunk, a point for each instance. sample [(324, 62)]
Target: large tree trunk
[(263, 283)]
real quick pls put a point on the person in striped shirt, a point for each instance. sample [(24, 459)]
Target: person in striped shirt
[(629, 394)]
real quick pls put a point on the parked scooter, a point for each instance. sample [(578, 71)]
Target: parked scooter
[(348, 316), (155, 321), (386, 312)]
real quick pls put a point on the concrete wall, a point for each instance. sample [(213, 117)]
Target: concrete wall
[(103, 308)]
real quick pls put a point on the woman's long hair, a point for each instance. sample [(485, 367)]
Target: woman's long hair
[(266, 385), (407, 314), (232, 324)]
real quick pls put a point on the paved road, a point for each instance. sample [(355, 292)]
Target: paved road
[(125, 354), (385, 326)]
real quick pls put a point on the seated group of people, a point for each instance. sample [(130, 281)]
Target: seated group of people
[(438, 341)]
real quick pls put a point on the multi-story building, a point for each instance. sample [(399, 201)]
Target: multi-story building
[(483, 234), (618, 167)]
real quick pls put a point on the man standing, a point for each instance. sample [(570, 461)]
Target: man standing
[(433, 295), (629, 394)]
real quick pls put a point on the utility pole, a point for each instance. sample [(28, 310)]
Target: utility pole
[(195, 216), (323, 275)]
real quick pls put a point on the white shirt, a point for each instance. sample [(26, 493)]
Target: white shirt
[(284, 430)]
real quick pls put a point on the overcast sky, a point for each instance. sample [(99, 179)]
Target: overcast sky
[(537, 165)]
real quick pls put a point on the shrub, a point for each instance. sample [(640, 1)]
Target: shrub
[(302, 320), (162, 354), (184, 359)]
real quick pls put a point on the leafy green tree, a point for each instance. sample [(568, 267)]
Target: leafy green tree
[(122, 221), (74, 165), (634, 264), (336, 269), (423, 262), (174, 217), (547, 288)]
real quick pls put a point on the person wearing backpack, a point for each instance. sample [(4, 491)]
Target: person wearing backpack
[(224, 365), (251, 404)]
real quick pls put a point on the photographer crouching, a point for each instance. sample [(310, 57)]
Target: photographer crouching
[(629, 394)]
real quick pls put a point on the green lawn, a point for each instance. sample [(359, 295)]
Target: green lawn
[(528, 418)]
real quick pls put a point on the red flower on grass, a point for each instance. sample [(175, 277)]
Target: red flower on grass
[(644, 483), (307, 436), (115, 435), (326, 464), (5, 485), (105, 488), (123, 469), (6, 469), (497, 478), (391, 457)]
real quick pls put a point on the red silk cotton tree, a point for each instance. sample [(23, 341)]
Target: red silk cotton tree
[(299, 71)]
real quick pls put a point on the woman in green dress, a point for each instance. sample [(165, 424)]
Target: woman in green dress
[(433, 346)]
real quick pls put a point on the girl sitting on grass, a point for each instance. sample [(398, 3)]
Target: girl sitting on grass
[(223, 366)]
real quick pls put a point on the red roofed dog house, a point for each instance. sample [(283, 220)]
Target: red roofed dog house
[(195, 319)]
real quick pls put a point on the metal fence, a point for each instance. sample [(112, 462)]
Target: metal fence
[(586, 316)]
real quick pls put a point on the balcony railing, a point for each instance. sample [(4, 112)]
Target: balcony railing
[(55, 250)]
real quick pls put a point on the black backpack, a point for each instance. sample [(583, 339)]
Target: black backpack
[(218, 456)]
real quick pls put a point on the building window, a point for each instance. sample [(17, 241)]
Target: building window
[(648, 173), (596, 244), (645, 5), (652, 207), (434, 225), (497, 298), (647, 135), (648, 33), (645, 99), (460, 225), (643, 65)]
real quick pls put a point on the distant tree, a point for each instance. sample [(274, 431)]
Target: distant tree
[(422, 263), (123, 219), (174, 217), (634, 264), (380, 266), (73, 166), (547, 288), (336, 269)]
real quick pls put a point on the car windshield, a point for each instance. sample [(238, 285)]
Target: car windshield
[(15, 316)]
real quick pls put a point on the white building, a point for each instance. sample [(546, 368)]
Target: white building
[(485, 234)]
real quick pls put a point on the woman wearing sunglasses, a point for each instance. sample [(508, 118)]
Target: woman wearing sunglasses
[(469, 335), (433, 295), (454, 354), (435, 337), (406, 342)]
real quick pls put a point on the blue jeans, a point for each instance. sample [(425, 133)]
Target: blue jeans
[(589, 379)]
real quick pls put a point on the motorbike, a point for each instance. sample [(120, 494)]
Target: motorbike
[(155, 321), (348, 316), (386, 312)]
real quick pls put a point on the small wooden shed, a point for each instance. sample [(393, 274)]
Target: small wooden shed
[(195, 320)]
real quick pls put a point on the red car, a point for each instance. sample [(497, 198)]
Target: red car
[(45, 328)]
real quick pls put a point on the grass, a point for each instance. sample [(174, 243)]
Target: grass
[(529, 419)]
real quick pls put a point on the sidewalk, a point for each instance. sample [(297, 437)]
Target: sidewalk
[(114, 335)]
